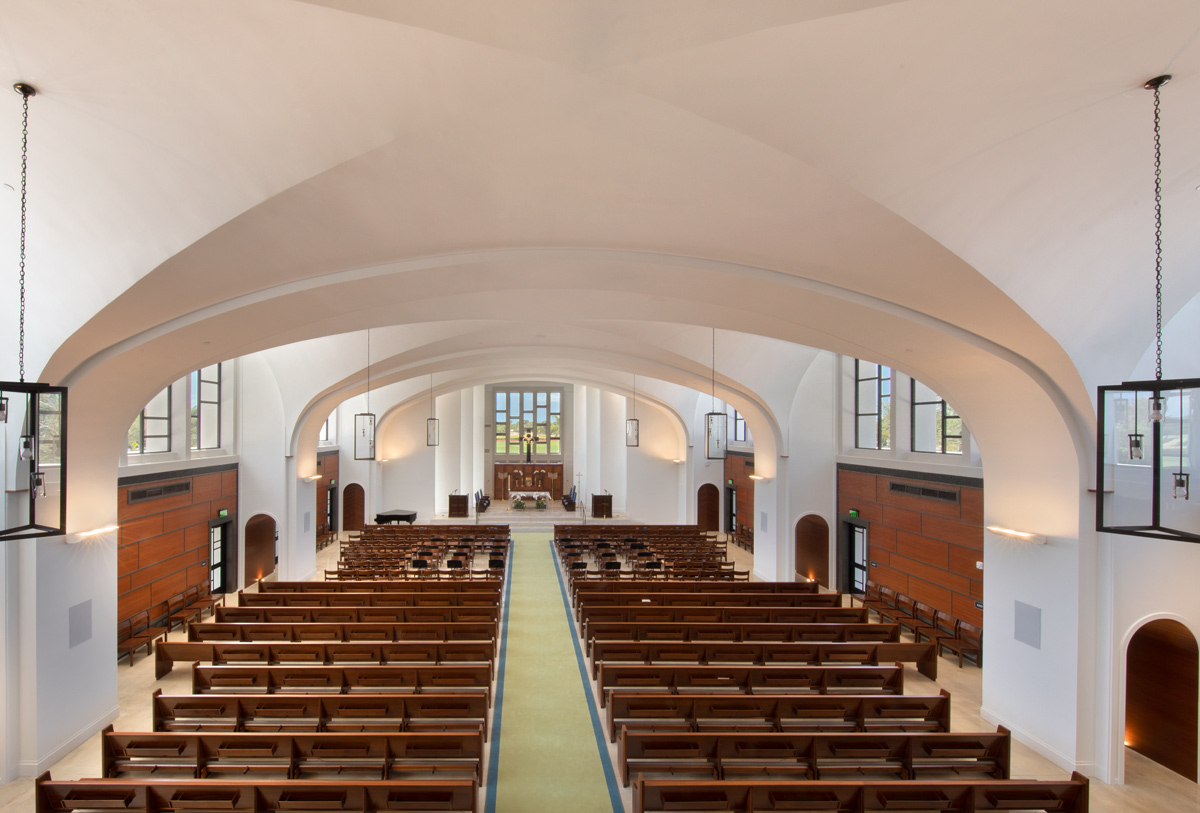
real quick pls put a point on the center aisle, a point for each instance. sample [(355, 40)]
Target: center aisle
[(548, 754)]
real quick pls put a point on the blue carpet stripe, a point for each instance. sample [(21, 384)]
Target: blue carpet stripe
[(498, 703), (614, 792)]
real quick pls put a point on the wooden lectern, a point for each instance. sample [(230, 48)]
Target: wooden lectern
[(458, 505), (602, 506)]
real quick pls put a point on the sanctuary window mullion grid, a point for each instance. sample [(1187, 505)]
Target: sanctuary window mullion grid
[(528, 412), (872, 405), (205, 414), (151, 430), (739, 427), (936, 427)]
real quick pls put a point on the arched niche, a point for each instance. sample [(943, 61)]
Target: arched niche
[(812, 549), (708, 508), (1161, 691), (353, 507), (260, 548)]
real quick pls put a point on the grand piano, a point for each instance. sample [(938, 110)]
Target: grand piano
[(395, 515)]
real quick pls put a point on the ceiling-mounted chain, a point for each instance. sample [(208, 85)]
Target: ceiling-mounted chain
[(26, 91), (1156, 84)]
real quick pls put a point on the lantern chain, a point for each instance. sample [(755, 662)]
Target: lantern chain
[(25, 94), (1157, 238)]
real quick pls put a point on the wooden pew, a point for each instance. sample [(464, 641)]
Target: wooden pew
[(395, 615), (259, 796), (380, 632), (650, 795), (199, 755), (683, 586), (765, 712), (328, 654), (472, 586), (751, 679), (742, 633), (778, 755), (763, 654), (589, 599), (341, 679), (721, 615), (313, 713), (389, 599)]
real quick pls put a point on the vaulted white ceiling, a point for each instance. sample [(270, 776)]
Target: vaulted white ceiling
[(929, 184)]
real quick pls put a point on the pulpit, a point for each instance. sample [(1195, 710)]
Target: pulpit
[(602, 506), (458, 505)]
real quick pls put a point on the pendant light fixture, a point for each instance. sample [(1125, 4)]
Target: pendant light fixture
[(432, 427), (716, 424), (632, 428), (42, 445), (1130, 490), (364, 422)]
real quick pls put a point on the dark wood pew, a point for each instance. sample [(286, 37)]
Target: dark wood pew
[(313, 713), (764, 712), (742, 633), (589, 599), (721, 615), (751, 679), (778, 755), (342, 679), (379, 632), (259, 796), (1070, 796), (328, 654), (199, 755), (924, 656), (389, 599), (395, 615), (682, 586), (472, 586)]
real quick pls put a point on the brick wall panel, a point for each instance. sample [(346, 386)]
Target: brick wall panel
[(881, 537), (133, 602), (229, 483), (971, 501), (902, 518), (931, 551), (158, 570), (168, 587), (160, 548), (951, 581), (936, 596), (880, 557), (139, 529), (965, 610), (960, 533), (182, 517), (195, 537), (889, 577), (857, 485), (126, 511), (923, 505), (962, 561), (206, 487), (127, 559)]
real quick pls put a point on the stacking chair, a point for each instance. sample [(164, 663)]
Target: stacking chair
[(128, 643), (968, 642), (922, 617), (944, 626), (180, 611)]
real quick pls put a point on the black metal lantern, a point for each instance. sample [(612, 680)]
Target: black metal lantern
[(716, 424), (433, 430), (1131, 490), (364, 422), (632, 427)]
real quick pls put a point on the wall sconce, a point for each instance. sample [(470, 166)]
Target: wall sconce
[(75, 539), (1018, 536), (757, 477), (313, 478), (677, 461)]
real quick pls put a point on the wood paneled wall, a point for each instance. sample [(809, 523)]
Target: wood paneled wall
[(163, 542), (1161, 695), (738, 467), (919, 546)]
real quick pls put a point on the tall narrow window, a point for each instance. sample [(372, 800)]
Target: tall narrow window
[(739, 427), (205, 412), (936, 427), (872, 405), (151, 430)]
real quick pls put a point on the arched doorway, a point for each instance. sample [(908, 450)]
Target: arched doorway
[(353, 508), (812, 549), (708, 508), (1161, 695), (260, 548)]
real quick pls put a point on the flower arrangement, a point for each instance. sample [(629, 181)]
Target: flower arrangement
[(518, 503), (540, 504)]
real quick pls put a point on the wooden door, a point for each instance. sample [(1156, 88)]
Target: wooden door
[(708, 508), (812, 549), (353, 507), (1161, 690)]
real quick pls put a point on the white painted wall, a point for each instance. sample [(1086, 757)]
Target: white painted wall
[(612, 455), (447, 475), (593, 475), (261, 466), (407, 479), (655, 484), (810, 441)]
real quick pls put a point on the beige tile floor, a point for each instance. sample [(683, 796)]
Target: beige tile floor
[(1149, 786)]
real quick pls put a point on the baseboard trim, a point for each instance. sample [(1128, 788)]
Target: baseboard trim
[(1049, 752), (36, 768)]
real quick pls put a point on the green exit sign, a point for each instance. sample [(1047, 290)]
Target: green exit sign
[(224, 512), (854, 512)]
